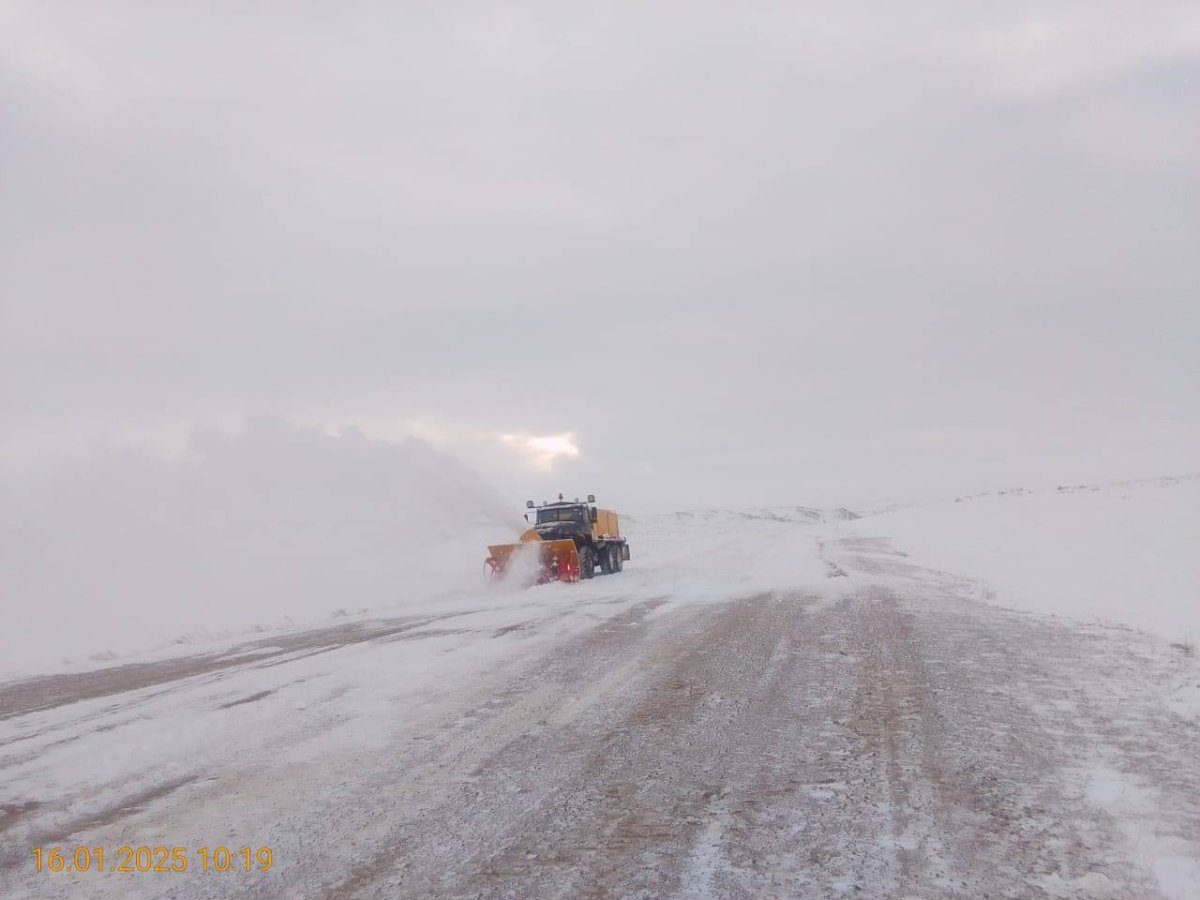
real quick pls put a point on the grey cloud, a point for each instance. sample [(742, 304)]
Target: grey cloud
[(699, 238)]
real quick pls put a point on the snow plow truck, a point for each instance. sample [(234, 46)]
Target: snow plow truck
[(569, 539)]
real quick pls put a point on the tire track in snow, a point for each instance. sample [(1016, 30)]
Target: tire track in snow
[(899, 740)]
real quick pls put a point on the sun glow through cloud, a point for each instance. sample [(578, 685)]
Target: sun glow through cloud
[(543, 451)]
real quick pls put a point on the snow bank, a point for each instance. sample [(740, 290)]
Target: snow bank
[(1125, 552), (271, 525)]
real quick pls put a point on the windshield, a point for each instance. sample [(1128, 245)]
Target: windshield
[(560, 514)]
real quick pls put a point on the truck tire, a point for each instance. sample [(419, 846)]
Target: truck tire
[(607, 560), (587, 562), (618, 558)]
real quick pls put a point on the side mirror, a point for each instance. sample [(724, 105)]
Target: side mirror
[(529, 504), (594, 515), (591, 498)]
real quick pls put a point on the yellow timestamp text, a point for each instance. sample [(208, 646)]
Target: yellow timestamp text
[(153, 859)]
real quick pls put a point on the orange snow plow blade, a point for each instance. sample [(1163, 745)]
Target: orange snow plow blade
[(555, 560)]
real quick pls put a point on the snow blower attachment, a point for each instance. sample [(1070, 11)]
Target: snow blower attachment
[(554, 560), (567, 542)]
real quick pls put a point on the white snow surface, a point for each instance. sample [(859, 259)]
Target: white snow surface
[(1126, 552), (276, 528), (311, 735)]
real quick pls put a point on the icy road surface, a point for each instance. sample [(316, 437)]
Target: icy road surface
[(872, 730)]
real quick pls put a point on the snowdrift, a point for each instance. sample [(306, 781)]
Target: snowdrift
[(269, 526), (1122, 552)]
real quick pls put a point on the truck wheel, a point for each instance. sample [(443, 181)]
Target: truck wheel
[(618, 558), (606, 561), (587, 563)]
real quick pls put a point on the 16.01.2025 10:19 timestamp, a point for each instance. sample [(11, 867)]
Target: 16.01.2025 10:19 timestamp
[(153, 859)]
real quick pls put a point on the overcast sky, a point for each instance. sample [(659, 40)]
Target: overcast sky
[(740, 253)]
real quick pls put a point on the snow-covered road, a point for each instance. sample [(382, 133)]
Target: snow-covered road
[(858, 725)]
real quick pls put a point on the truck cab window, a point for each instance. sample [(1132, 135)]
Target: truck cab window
[(570, 514)]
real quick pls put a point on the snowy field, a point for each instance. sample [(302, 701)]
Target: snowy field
[(276, 528), (774, 703), (1123, 552)]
